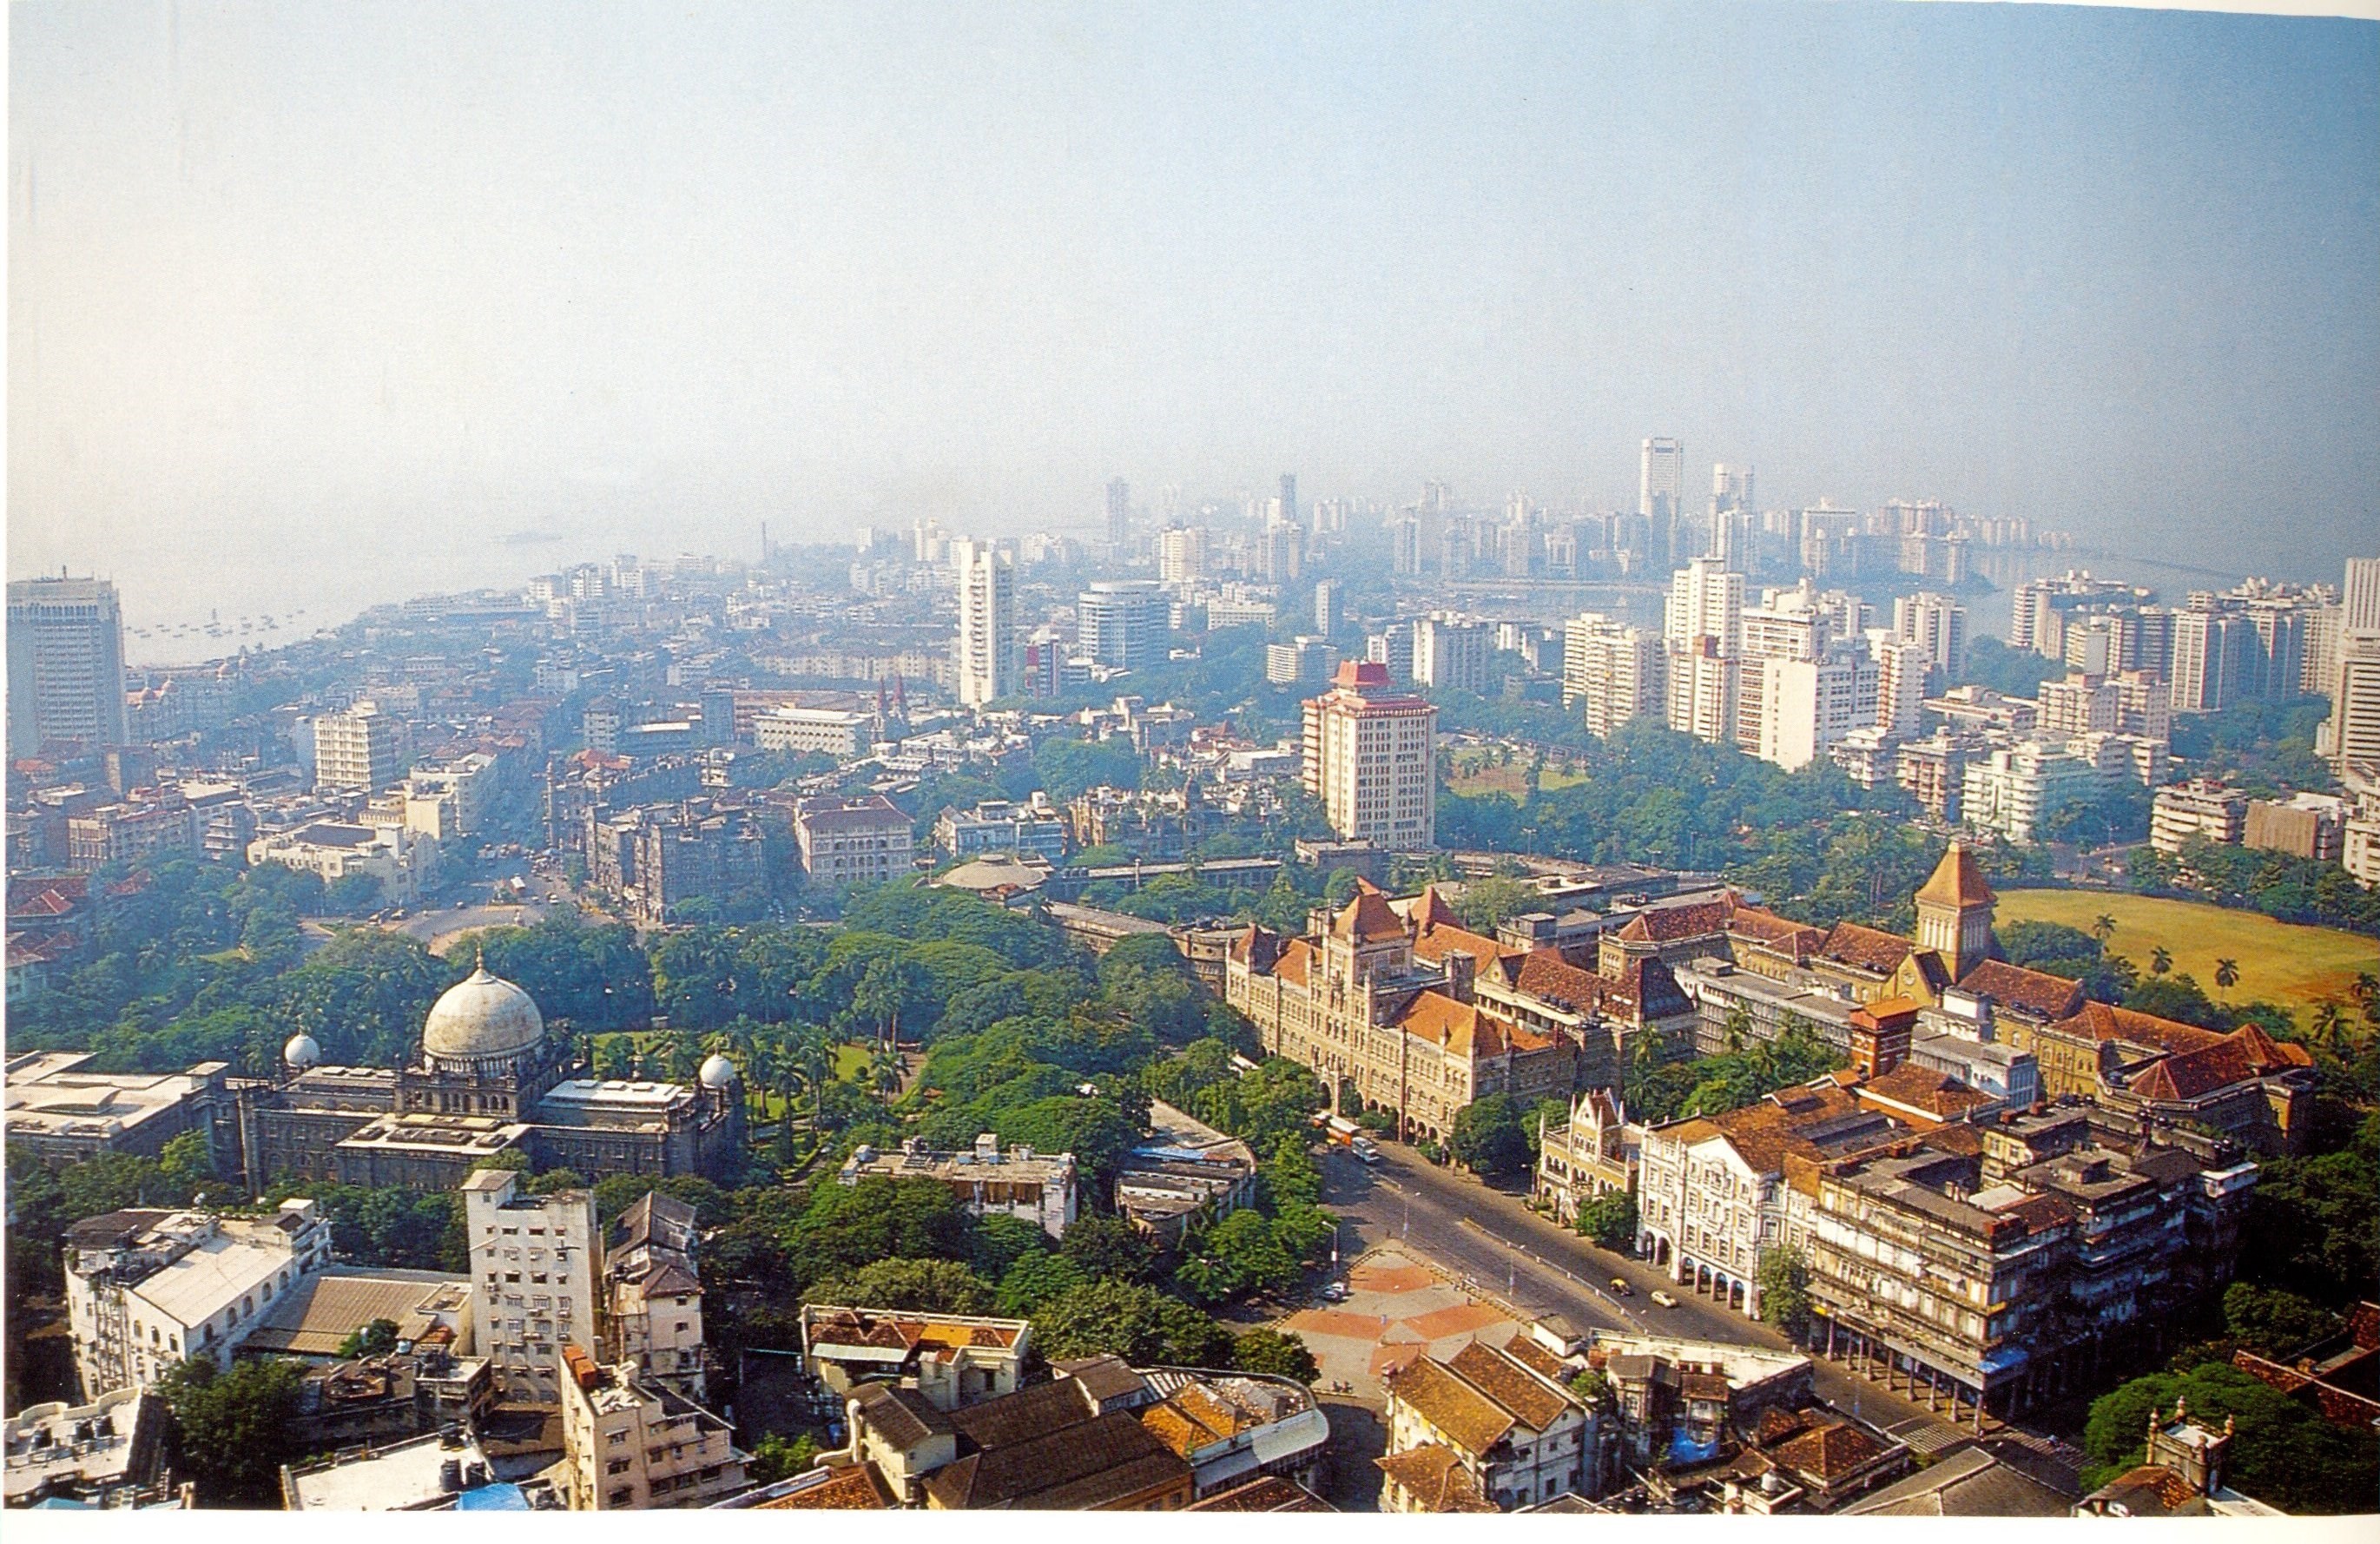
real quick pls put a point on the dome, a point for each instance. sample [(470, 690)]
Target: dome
[(301, 1052), (481, 1016), (717, 1072)]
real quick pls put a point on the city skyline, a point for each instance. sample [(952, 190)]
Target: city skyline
[(646, 284)]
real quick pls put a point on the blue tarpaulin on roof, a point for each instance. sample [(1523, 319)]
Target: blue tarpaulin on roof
[(1685, 1450), (500, 1497)]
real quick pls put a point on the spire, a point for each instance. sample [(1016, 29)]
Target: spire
[(482, 966)]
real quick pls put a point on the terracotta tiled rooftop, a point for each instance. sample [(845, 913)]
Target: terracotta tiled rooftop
[(1368, 917), (1504, 1380), (1434, 1477), (2033, 991), (1957, 880), (1468, 1417), (1864, 948)]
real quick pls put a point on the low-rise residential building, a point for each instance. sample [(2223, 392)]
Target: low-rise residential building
[(1186, 1170), (652, 1289), (398, 857), (147, 1289), (948, 1359), (1030, 829), (1516, 1432), (852, 840), (1033, 1187), (2304, 825), (1676, 1401), (394, 1397), (109, 1453), (1158, 822), (632, 1443), (2198, 807), (154, 825), (448, 1471)]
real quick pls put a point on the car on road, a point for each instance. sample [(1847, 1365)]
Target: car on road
[(1366, 1149), (1336, 1292), (1620, 1287), (1665, 1299)]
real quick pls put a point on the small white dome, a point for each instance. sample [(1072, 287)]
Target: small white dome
[(717, 1072), (482, 1015), (302, 1053)]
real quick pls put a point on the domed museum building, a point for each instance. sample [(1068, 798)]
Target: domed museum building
[(487, 1079)]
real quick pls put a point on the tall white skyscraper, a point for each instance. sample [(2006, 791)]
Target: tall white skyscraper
[(987, 638), (1182, 554), (65, 663), (1662, 480), (1451, 653), (534, 1262), (2358, 609)]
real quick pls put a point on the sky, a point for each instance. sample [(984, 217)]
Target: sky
[(326, 296)]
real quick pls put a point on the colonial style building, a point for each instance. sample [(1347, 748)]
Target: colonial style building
[(489, 1078), (1592, 1154), (1389, 1008), (1484, 1426)]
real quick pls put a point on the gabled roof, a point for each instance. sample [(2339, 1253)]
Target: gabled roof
[(1367, 918), (2102, 1021), (1084, 1467), (1431, 910), (1828, 1452), (1266, 1493), (1781, 933), (1674, 924), (1645, 989), (1513, 1385), (905, 1417), (1434, 1477), (1458, 1029), (1438, 940), (1864, 948), (1468, 1417), (853, 1489), (2243, 1054), (1957, 880), (2033, 991), (1938, 1094)]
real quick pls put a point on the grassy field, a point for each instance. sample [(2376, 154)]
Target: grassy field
[(1473, 777), (2298, 967)]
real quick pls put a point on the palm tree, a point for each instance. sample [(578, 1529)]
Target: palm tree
[(2227, 975), (2366, 992), (2160, 960), (2103, 928), (2330, 1029)]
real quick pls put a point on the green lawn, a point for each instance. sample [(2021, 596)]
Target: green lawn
[(2296, 967)]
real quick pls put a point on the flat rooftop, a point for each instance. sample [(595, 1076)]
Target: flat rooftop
[(240, 1258), (406, 1477), (617, 1093), (46, 1094)]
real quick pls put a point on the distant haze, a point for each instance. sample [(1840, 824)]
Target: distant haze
[(317, 299)]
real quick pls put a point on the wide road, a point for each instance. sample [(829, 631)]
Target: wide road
[(1539, 1268)]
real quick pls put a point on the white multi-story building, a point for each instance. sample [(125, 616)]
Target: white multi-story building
[(1451, 653), (357, 750), (1181, 554), (633, 1444), (2081, 705), (1617, 670), (1499, 1428), (814, 731), (2350, 736), (1807, 705), (1901, 671), (2016, 789), (534, 1265), (1660, 491), (1035, 1188), (986, 648), (398, 855), (148, 1290), (1122, 622), (1706, 600), (1938, 624), (65, 663), (466, 784), (1371, 758)]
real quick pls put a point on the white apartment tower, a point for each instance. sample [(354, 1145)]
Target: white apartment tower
[(987, 637), (1451, 653), (1706, 600), (356, 750), (65, 663), (1181, 554), (1938, 624), (534, 1265), (1618, 671), (1371, 758)]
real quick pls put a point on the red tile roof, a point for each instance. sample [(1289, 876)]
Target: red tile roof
[(1957, 880), (1866, 948), (2034, 991), (1368, 917)]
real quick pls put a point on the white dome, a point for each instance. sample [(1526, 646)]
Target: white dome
[(482, 1015), (302, 1053), (717, 1072)]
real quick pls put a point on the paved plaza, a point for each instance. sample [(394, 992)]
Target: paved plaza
[(1397, 1310)]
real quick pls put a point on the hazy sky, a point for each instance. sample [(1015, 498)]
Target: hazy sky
[(323, 284)]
